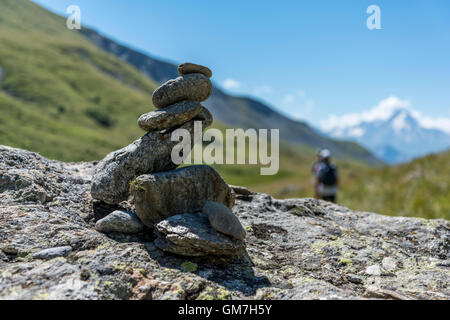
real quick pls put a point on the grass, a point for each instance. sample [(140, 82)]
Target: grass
[(416, 189)]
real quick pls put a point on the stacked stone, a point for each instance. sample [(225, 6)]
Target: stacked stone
[(167, 199)]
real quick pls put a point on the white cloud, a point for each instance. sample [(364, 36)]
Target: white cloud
[(231, 84), (262, 90), (310, 104), (288, 99), (439, 123), (301, 93), (306, 111), (384, 111)]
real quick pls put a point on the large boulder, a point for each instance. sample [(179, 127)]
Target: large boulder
[(191, 234), (193, 87), (161, 195), (169, 117), (151, 153), (223, 220)]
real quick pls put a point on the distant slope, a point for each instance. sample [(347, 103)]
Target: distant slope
[(238, 112), (420, 188)]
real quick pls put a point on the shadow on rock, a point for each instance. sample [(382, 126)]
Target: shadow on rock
[(234, 273)]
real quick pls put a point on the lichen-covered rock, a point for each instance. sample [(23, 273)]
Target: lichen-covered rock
[(151, 153), (169, 117), (193, 87), (223, 220), (164, 194), (187, 68), (191, 234), (120, 221), (295, 249)]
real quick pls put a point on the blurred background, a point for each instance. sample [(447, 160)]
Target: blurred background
[(378, 99)]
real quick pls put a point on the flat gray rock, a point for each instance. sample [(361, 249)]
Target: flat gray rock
[(191, 234), (169, 117), (120, 221), (151, 153), (223, 220), (192, 87), (52, 253), (161, 195), (187, 68)]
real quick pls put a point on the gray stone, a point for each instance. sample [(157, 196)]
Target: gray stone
[(120, 221), (52, 253), (151, 153), (169, 117), (223, 220), (161, 195), (389, 264), (206, 117), (187, 68), (191, 234), (374, 270), (193, 87)]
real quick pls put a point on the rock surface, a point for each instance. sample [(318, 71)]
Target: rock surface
[(191, 234), (192, 87), (223, 220), (151, 153), (296, 249), (187, 68), (164, 194), (120, 221), (169, 117)]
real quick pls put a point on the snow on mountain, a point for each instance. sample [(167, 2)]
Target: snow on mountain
[(397, 138)]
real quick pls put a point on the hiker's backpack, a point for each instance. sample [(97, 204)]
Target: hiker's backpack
[(328, 174)]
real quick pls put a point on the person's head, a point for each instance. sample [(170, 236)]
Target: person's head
[(325, 155)]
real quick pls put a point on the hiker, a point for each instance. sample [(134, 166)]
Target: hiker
[(326, 174)]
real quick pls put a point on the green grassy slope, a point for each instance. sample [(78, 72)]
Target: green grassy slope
[(419, 188), (60, 95)]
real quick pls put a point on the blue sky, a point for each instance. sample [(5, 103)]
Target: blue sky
[(309, 59)]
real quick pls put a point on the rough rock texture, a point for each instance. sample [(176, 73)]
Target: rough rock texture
[(223, 220), (172, 116), (191, 234), (187, 68), (192, 87), (52, 253), (164, 194), (151, 153), (120, 221), (296, 249)]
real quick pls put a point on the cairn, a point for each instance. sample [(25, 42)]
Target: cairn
[(195, 198)]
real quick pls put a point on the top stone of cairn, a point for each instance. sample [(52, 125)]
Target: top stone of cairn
[(187, 68)]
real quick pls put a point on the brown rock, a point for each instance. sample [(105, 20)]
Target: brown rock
[(187, 68)]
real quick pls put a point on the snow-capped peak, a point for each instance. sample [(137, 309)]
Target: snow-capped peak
[(394, 136)]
